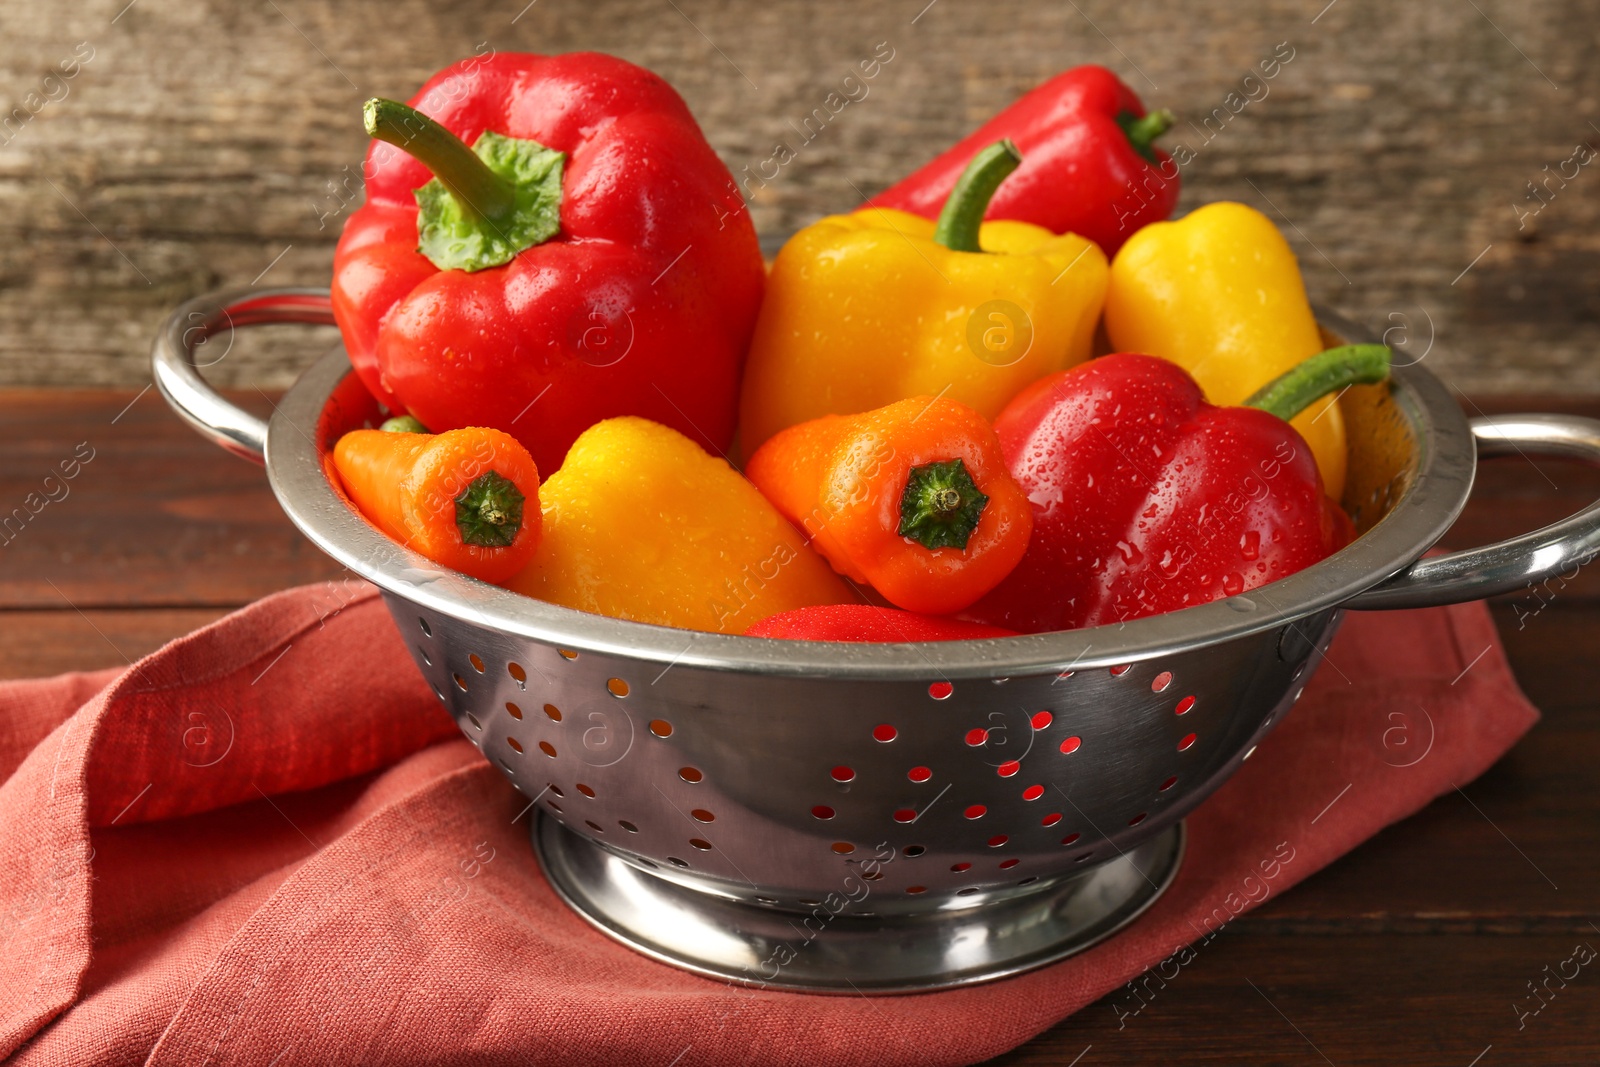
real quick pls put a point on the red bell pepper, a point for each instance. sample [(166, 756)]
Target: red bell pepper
[(1089, 166), (1147, 499), (590, 245), (868, 623)]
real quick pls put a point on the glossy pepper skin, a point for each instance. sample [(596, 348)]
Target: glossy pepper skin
[(641, 523), (913, 499), (1088, 163), (1148, 499), (641, 303), (467, 499), (1219, 293), (869, 623), (863, 310)]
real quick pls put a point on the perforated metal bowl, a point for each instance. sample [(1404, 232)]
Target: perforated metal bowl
[(839, 817)]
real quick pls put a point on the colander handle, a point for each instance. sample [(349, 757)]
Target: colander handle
[(176, 358), (1519, 562)]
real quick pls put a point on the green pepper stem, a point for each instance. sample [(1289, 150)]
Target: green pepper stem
[(479, 190), (958, 224), (1336, 369), (403, 424), (941, 505), (489, 511), (1142, 132)]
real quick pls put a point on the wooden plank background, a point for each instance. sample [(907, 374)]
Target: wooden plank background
[(208, 143)]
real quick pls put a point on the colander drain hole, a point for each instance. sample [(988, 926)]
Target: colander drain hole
[(477, 663)]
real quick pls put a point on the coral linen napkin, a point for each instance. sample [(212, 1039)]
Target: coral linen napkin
[(267, 844)]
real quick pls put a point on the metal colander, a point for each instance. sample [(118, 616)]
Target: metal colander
[(839, 817)]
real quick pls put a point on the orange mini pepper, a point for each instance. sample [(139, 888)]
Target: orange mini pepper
[(467, 498), (913, 498)]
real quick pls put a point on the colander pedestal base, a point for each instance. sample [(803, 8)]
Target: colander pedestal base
[(1006, 933)]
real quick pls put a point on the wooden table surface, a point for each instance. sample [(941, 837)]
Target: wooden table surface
[(1415, 949)]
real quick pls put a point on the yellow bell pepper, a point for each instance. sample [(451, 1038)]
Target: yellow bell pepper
[(641, 523), (867, 309), (1219, 293)]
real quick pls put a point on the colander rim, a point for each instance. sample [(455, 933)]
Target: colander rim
[(1425, 509)]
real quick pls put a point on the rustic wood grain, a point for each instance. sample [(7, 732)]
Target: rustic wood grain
[(40, 642), (1412, 949), (156, 517), (208, 144)]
